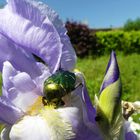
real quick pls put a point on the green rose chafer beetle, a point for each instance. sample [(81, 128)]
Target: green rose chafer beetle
[(57, 86)]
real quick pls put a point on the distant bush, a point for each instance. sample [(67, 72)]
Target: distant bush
[(81, 38), (96, 43), (132, 25), (128, 42)]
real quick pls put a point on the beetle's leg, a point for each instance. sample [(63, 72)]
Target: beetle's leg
[(61, 103), (78, 85), (44, 101)]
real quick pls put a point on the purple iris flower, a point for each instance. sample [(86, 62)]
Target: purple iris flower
[(29, 28)]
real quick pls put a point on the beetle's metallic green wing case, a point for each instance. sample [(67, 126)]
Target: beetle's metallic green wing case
[(64, 78)]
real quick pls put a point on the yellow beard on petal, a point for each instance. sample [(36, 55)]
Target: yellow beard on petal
[(34, 109), (60, 128)]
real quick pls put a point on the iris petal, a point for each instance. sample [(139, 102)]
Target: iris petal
[(45, 126), (19, 87), (87, 107), (7, 72), (30, 128), (130, 136), (36, 34), (9, 113), (28, 10), (43, 43), (68, 58), (18, 57), (45, 74), (23, 82)]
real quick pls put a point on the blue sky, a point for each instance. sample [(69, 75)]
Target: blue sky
[(97, 13)]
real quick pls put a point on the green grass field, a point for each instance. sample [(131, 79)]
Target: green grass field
[(94, 70)]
